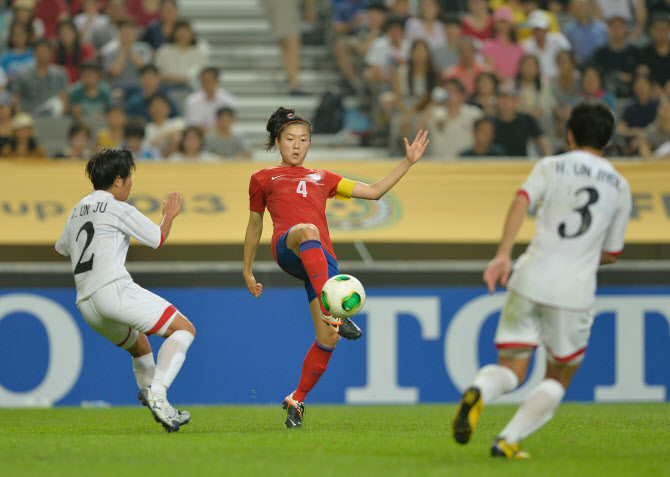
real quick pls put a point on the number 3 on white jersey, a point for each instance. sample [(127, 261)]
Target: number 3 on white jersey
[(302, 188)]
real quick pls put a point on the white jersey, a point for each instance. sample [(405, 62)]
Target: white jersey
[(584, 206), (96, 237)]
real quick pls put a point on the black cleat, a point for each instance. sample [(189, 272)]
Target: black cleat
[(466, 415), (349, 330), (294, 412)]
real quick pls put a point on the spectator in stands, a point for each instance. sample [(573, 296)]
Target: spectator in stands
[(468, 68), (69, 52), (163, 132), (528, 8), (222, 141), (160, 30), (23, 143), (122, 58), (103, 33), (534, 93), (657, 134), (623, 9), (411, 92), (5, 118), (89, 20), (134, 141), (485, 96), (51, 12), (503, 52), (618, 58), (19, 52), (585, 33), (90, 97), (478, 22), (4, 81), (545, 44), (386, 53), (565, 88), (483, 133), (514, 130), (35, 85), (24, 11), (111, 136), (191, 148), (399, 8), (642, 112), (354, 38), (144, 11), (656, 56), (78, 137), (447, 55), (428, 27), (181, 59), (592, 86), (200, 107), (284, 16), (137, 106), (449, 120)]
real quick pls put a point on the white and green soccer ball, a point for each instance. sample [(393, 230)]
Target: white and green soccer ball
[(343, 296)]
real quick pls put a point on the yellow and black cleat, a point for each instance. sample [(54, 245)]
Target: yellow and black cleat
[(501, 448), (467, 414)]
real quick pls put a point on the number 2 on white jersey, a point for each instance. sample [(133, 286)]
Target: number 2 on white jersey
[(302, 188)]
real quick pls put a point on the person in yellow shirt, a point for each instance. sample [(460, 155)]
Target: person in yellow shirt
[(521, 9)]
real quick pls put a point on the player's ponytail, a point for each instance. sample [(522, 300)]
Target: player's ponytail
[(280, 118)]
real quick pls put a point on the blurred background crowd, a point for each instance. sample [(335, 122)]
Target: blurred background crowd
[(190, 80)]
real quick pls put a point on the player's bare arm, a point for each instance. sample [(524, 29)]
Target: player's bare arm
[(500, 267), (377, 190), (251, 241), (171, 209)]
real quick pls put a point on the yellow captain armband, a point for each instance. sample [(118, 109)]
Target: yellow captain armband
[(344, 189)]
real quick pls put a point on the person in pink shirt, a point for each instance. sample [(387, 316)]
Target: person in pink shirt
[(503, 52), (468, 68)]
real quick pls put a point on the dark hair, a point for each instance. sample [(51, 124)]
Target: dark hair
[(42, 42), (181, 24), (225, 110), (596, 69), (433, 75), (134, 128), (27, 29), (108, 164), (61, 50), (210, 69), (491, 76), (77, 128), (198, 132), (148, 68), (160, 96), (91, 65), (173, 2), (538, 77), (571, 56), (280, 118), (392, 20), (454, 82), (127, 22), (114, 107), (591, 123), (481, 121)]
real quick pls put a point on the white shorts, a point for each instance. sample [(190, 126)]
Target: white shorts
[(564, 333), (121, 309)]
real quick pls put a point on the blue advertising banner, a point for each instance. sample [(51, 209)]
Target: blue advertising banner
[(420, 345)]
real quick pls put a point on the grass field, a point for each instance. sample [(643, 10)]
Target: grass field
[(583, 439)]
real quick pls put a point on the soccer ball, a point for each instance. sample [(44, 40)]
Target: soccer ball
[(343, 296)]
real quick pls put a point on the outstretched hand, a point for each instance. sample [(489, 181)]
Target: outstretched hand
[(172, 206), (415, 151)]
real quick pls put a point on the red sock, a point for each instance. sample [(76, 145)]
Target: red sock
[(315, 364), (314, 261)]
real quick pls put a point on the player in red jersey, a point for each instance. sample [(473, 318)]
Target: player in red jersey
[(296, 199)]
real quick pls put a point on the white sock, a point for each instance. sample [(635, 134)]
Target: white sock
[(494, 380), (144, 367), (170, 358), (536, 411)]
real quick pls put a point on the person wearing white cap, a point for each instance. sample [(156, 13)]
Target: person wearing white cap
[(545, 44), (22, 143)]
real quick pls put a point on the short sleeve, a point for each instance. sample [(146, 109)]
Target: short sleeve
[(132, 222), (617, 229), (536, 184), (256, 196), (63, 245), (332, 181)]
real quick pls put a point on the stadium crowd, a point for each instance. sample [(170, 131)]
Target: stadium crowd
[(487, 78)]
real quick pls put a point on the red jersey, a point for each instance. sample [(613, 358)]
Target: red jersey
[(296, 195)]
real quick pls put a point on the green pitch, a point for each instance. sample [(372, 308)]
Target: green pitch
[(583, 439)]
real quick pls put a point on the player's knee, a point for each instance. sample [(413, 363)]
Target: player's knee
[(308, 232)]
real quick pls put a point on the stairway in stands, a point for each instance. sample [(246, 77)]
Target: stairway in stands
[(245, 49)]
